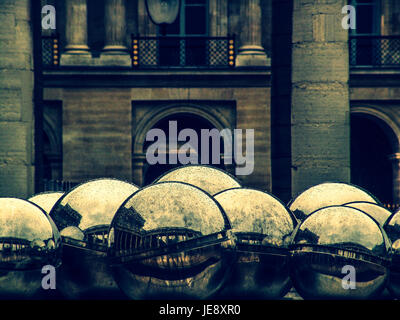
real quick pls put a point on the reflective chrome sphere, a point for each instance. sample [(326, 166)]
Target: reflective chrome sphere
[(376, 211), (327, 194), (392, 228), (46, 200), (83, 216), (209, 179), (28, 242), (262, 226), (166, 241), (330, 246)]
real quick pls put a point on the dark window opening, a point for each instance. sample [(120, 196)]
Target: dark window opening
[(186, 43)]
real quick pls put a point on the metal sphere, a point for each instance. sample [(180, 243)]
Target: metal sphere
[(262, 226), (28, 242), (334, 243), (327, 194), (46, 200), (207, 178), (166, 241), (376, 211), (83, 216), (392, 228)]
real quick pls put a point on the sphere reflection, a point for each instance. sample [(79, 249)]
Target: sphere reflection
[(392, 228), (83, 216), (166, 241), (376, 211), (329, 244), (327, 194), (209, 179), (28, 242), (262, 226), (46, 200)]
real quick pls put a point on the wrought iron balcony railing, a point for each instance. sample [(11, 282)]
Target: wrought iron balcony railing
[(220, 52), (182, 52), (50, 51), (375, 51)]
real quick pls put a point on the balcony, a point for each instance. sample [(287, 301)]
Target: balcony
[(374, 51), (50, 52), (163, 52), (183, 52)]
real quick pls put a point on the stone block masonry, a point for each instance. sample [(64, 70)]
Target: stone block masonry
[(16, 100), (320, 112)]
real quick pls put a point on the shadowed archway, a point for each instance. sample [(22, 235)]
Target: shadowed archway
[(374, 141), (183, 121)]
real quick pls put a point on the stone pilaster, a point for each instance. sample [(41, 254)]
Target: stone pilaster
[(218, 13), (320, 122), (218, 24), (390, 17), (145, 26), (137, 168), (395, 160), (251, 52)]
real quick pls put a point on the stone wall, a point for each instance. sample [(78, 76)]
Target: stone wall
[(98, 127), (16, 100)]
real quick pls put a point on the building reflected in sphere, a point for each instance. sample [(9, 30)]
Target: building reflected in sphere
[(262, 226), (330, 243), (83, 216), (392, 228), (167, 241), (28, 242)]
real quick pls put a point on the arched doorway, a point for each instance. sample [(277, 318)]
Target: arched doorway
[(373, 144), (183, 121)]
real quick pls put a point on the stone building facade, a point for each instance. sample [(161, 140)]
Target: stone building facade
[(108, 107), (324, 101)]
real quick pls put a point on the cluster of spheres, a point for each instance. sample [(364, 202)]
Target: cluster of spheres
[(197, 233)]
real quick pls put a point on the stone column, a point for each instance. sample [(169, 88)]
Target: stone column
[(76, 27), (76, 48), (395, 159), (115, 53), (218, 13), (391, 17), (218, 26), (251, 52), (390, 26), (115, 26), (145, 26), (18, 97), (320, 111)]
